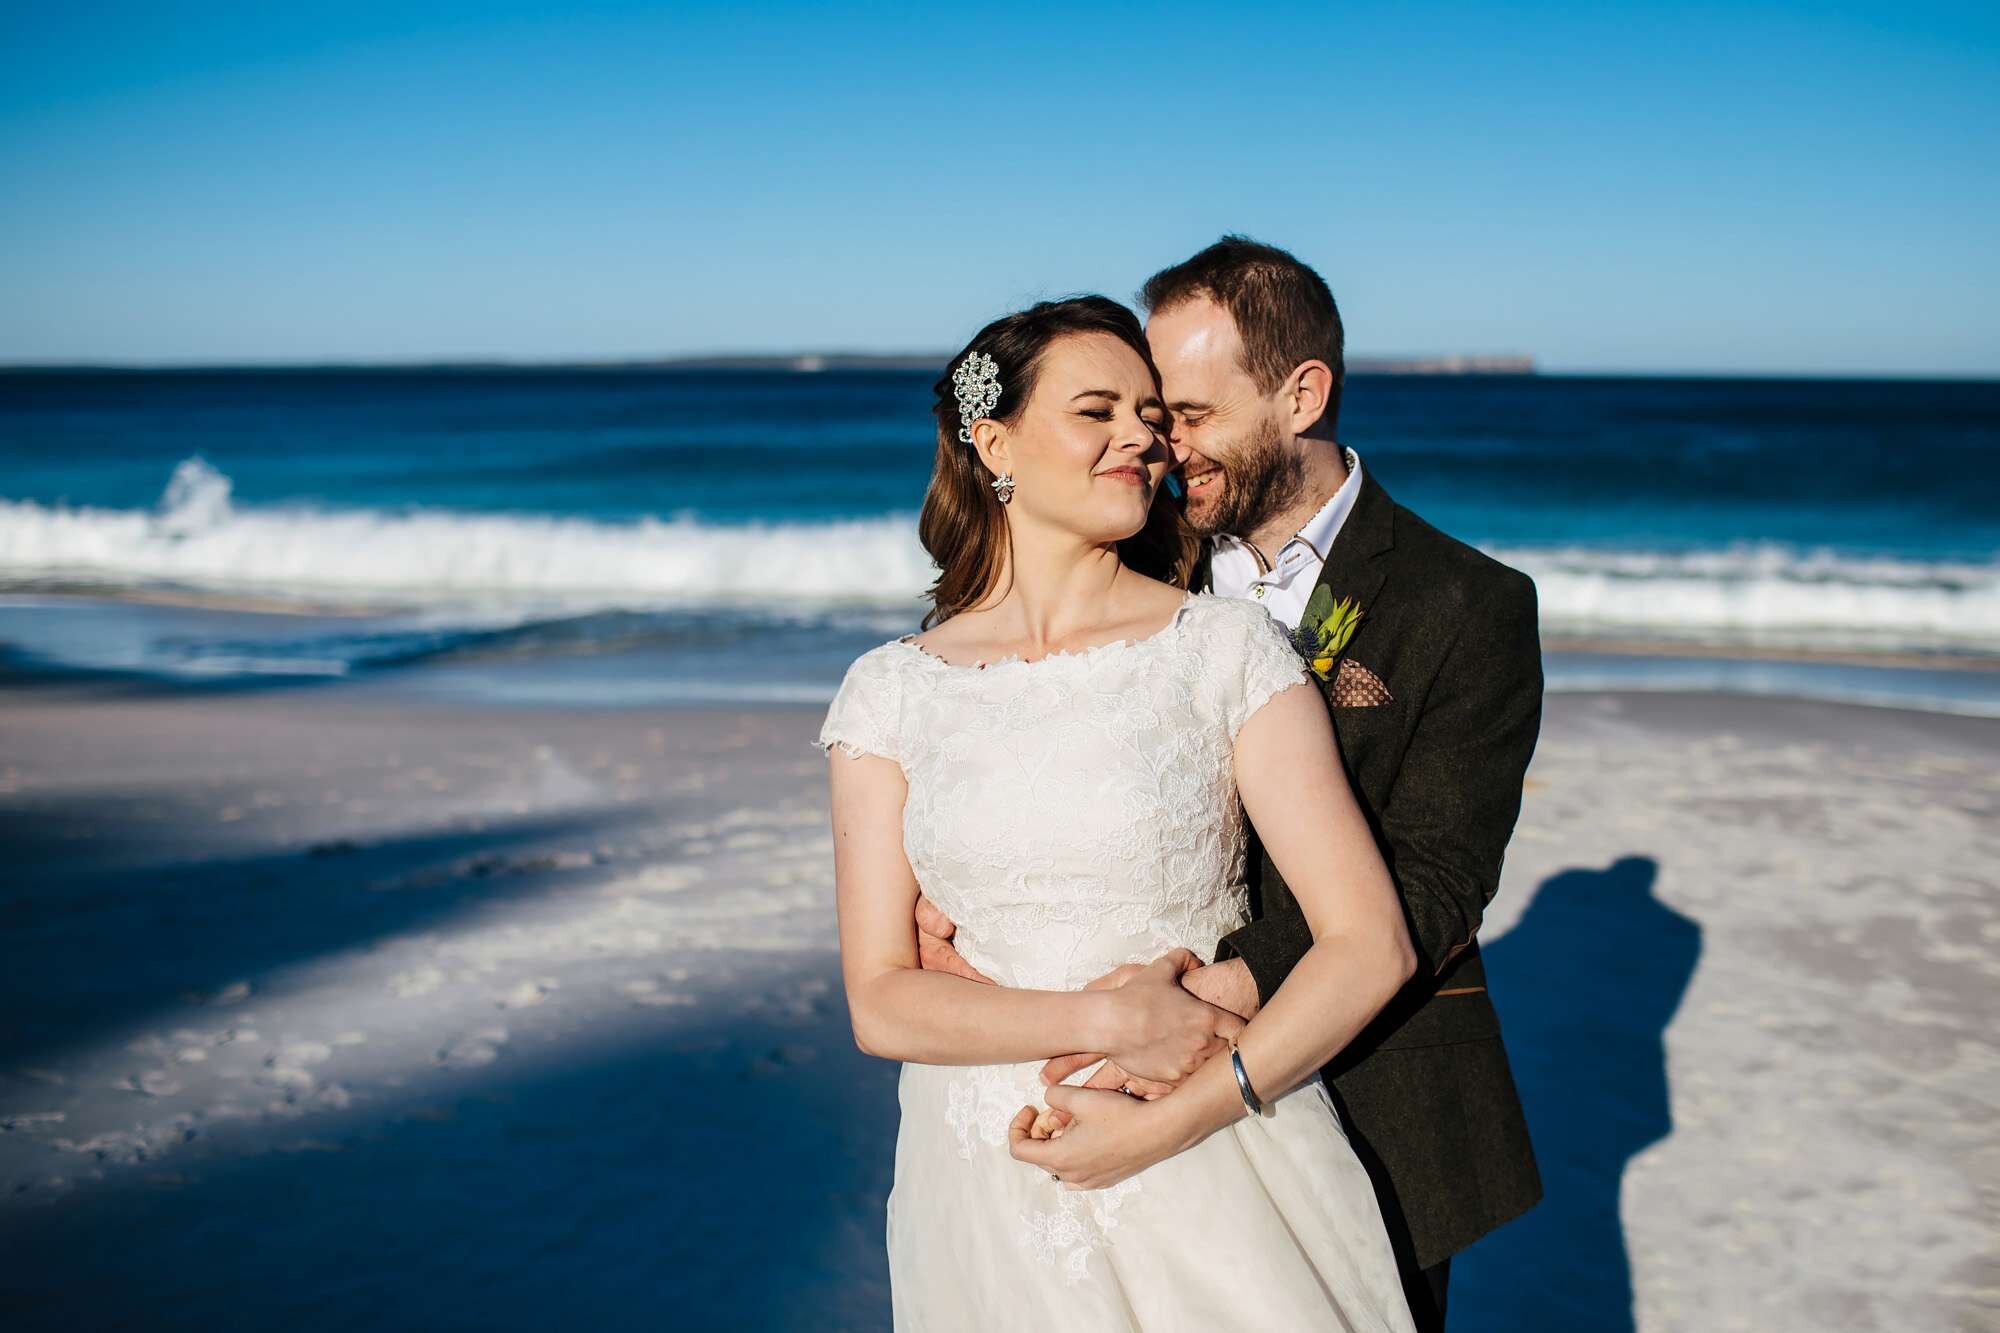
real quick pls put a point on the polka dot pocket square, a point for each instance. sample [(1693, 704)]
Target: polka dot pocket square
[(1355, 686)]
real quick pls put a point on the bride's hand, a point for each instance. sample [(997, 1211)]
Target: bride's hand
[(1157, 1029)]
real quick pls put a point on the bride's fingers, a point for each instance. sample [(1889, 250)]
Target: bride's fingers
[(1021, 1129)]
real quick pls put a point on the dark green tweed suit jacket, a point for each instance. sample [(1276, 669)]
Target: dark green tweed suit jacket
[(1425, 1091)]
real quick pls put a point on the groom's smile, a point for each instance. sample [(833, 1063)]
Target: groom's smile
[(1204, 480)]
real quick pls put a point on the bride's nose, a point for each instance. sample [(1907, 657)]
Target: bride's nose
[(1136, 438)]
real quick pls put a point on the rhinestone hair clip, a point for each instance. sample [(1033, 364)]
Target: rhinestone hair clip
[(977, 384)]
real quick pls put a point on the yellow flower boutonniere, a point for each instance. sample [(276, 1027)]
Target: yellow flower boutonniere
[(1327, 627)]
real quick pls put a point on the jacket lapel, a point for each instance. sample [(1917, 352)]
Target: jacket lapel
[(1354, 566)]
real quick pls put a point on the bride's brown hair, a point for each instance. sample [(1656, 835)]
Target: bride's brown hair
[(962, 525)]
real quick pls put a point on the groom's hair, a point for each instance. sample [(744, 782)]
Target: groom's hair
[(1284, 311)]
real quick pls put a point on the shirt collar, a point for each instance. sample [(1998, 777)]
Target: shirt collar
[(1315, 539)]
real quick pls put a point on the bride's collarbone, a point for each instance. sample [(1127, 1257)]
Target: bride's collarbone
[(970, 648)]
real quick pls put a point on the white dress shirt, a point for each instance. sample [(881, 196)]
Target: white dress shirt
[(1236, 568)]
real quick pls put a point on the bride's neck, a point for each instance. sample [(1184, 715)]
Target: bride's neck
[(1051, 588)]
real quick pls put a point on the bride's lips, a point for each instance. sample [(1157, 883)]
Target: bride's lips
[(1134, 475)]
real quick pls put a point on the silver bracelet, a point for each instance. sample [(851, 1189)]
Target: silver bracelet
[(1250, 1098)]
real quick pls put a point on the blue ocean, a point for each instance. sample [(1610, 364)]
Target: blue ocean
[(674, 536)]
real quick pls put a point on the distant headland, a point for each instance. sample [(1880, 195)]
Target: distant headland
[(811, 362)]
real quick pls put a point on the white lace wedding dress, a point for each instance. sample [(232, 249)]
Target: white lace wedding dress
[(1070, 814)]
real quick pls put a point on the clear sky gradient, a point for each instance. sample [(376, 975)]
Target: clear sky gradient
[(1740, 188)]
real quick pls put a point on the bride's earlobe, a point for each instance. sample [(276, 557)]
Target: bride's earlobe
[(991, 446)]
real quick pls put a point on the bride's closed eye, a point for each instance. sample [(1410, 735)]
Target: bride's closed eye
[(1158, 425)]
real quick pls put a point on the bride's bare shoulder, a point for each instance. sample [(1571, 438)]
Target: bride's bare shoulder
[(963, 637)]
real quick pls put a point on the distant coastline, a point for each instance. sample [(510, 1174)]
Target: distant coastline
[(800, 363)]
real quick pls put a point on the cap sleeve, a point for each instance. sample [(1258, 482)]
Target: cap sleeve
[(1270, 664), (866, 712)]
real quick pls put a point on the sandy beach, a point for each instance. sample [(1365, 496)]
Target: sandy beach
[(339, 1006)]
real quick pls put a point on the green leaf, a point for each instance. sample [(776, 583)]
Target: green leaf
[(1319, 604)]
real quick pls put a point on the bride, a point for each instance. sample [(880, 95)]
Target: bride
[(1063, 761)]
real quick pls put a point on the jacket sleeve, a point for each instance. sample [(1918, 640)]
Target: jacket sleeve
[(1457, 793)]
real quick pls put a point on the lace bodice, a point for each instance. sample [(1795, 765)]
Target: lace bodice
[(1073, 813), (1078, 811)]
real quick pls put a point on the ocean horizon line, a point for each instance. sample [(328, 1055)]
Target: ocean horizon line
[(1452, 366)]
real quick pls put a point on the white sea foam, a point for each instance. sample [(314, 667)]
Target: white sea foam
[(501, 568), (1767, 594), (198, 538)]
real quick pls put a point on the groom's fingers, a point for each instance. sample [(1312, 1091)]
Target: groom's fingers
[(1110, 1077), (1078, 1101), (932, 921), (1117, 1080), (935, 955), (1060, 1068), (1115, 978)]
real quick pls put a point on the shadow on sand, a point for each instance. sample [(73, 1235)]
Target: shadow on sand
[(1586, 983), (725, 1167)]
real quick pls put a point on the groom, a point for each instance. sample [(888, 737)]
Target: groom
[(1436, 699)]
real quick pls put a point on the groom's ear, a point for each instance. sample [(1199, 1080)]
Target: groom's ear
[(1306, 393)]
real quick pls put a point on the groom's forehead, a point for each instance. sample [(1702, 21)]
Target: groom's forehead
[(1197, 334)]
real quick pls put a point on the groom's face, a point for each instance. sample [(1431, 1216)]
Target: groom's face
[(1228, 435)]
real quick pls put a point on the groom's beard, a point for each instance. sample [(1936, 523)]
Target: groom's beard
[(1259, 479)]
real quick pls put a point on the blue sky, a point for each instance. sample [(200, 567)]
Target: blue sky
[(1738, 188)]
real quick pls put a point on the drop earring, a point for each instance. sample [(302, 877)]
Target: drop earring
[(1003, 486)]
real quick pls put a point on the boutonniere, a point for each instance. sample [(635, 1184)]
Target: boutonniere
[(1327, 627)]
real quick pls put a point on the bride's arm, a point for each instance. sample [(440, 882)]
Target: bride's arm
[(1296, 793), (901, 1012)]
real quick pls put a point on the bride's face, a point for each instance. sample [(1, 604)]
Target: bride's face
[(1088, 450)]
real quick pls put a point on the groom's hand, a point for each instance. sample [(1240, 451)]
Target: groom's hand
[(1109, 1076), (1157, 1029), (934, 948), (1226, 985)]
